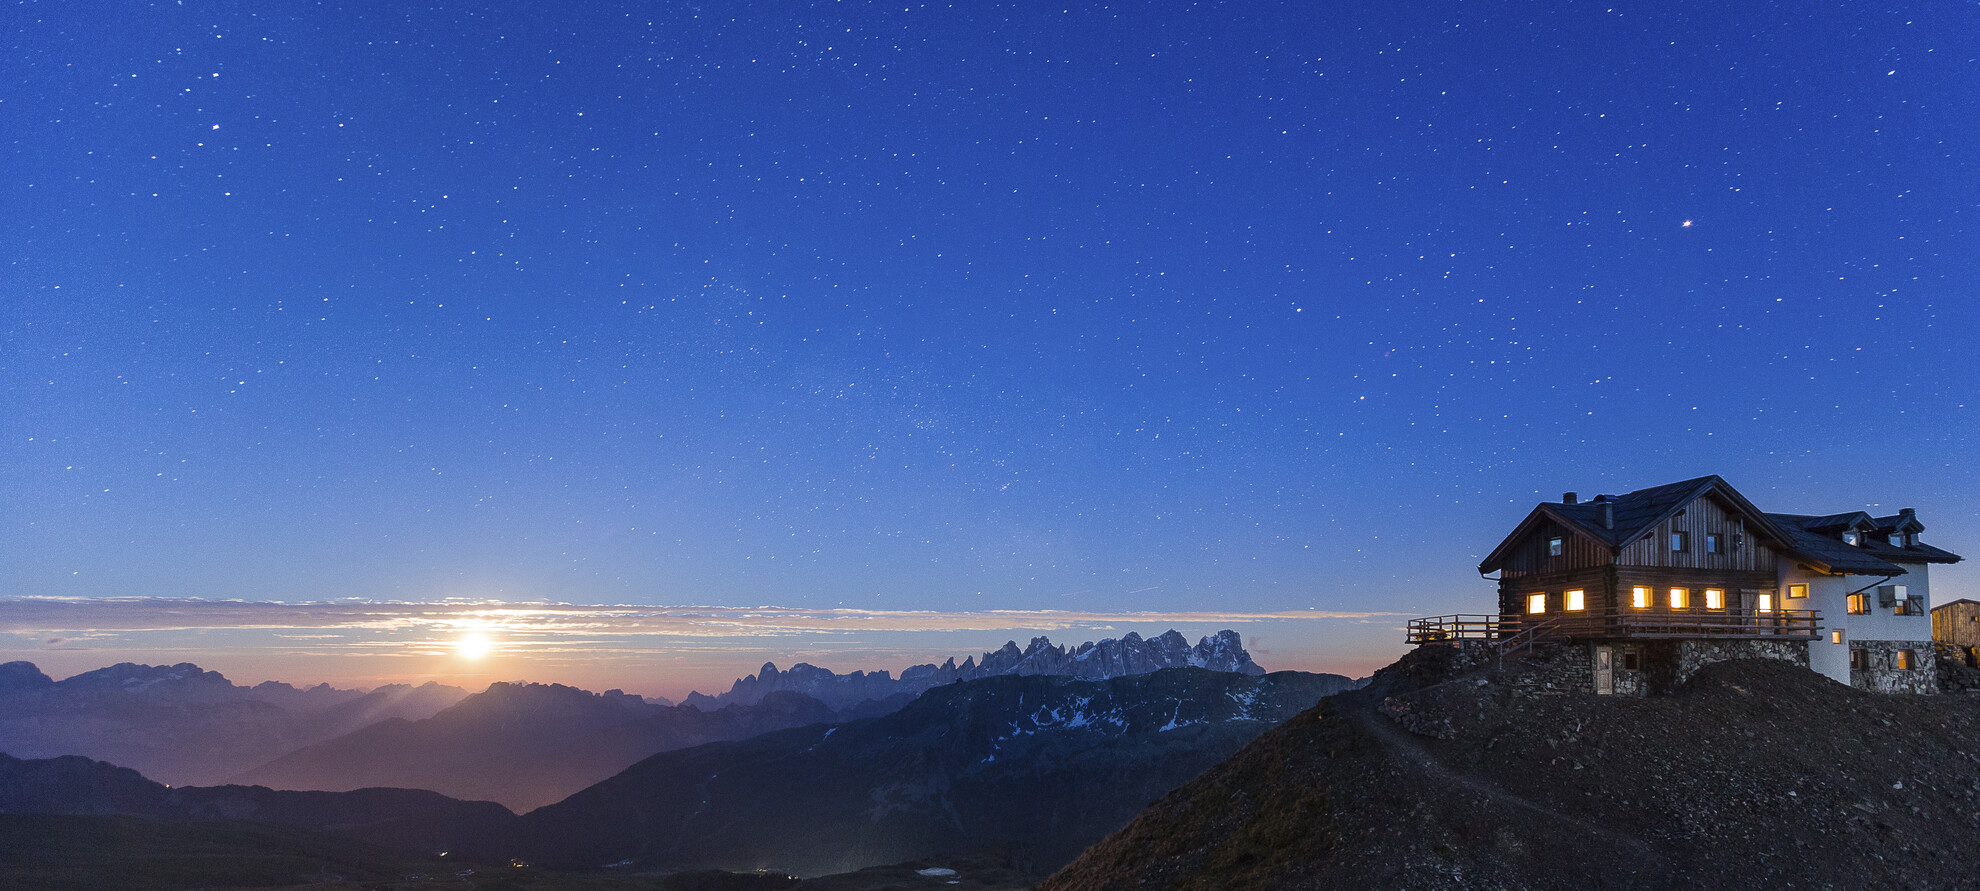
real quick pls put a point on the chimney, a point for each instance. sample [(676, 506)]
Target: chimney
[(1568, 498), (1608, 514), (1908, 513)]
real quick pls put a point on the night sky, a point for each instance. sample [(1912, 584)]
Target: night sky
[(1216, 311)]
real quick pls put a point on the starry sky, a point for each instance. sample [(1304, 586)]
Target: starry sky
[(940, 324)]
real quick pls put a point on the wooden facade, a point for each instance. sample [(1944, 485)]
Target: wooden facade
[(1741, 567)]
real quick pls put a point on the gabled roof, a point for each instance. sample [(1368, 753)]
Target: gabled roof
[(1950, 604), (1901, 523), (1827, 554), (1634, 515), (1855, 519)]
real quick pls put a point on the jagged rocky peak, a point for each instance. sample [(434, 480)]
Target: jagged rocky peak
[(1129, 655)]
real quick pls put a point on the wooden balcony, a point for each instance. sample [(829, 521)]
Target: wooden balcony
[(1652, 623)]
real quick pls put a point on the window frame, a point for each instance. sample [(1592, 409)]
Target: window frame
[(1680, 598), (1717, 602), (1641, 596), (1715, 543), (1857, 604), (1680, 542), (1574, 600), (1556, 545), (1536, 604), (1794, 596)]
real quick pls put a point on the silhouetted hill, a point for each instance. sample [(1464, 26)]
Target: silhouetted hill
[(1755, 774), (182, 724), (524, 745), (407, 819), (1039, 765)]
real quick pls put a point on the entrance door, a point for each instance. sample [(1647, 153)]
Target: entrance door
[(1605, 670)]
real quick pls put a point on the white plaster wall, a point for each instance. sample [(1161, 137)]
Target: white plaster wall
[(1830, 595)]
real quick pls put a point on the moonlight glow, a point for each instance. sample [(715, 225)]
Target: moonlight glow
[(473, 646)]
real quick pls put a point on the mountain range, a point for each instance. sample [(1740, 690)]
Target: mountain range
[(406, 819), (1110, 658), (1040, 765), (184, 725), (524, 745)]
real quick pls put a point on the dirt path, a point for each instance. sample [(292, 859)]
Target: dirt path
[(1649, 862)]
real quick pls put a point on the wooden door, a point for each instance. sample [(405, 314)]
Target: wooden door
[(1605, 670)]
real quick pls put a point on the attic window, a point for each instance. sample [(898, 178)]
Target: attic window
[(1639, 597), (1554, 546), (1852, 538), (1536, 603), (1897, 541), (1715, 543), (1680, 542), (1576, 599)]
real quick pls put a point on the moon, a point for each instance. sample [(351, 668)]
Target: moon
[(474, 645)]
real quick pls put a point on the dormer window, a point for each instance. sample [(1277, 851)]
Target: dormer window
[(1897, 541), (1852, 539), (1554, 546)]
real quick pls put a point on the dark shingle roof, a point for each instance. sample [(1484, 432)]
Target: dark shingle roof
[(1814, 539)]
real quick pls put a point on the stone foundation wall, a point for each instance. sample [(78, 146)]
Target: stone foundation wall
[(1955, 666), (1882, 677), (1696, 654)]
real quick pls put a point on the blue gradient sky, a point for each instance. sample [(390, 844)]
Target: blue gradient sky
[(1210, 308)]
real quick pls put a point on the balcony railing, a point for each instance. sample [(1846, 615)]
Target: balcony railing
[(1779, 624)]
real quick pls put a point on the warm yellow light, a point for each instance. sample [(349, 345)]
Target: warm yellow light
[(474, 645), (1639, 597)]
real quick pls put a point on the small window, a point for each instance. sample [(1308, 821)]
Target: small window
[(1904, 660), (1836, 636), (1632, 659), (1766, 603), (1859, 604), (1576, 599), (1536, 603), (1715, 543), (1859, 659), (1797, 591), (1554, 546), (1715, 598), (1639, 597), (1680, 542), (1852, 539), (1680, 598), (1897, 541)]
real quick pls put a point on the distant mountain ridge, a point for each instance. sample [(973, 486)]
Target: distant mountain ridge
[(525, 745), (1035, 765), (407, 819), (184, 725), (1110, 658)]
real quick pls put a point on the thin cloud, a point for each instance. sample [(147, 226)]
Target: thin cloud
[(57, 615)]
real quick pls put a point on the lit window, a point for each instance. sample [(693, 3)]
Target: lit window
[(1859, 604), (1536, 603), (1715, 598), (1766, 603), (1680, 542), (1904, 660), (1576, 599), (1680, 598), (1554, 546), (1836, 636), (1714, 543), (1639, 597), (1797, 591)]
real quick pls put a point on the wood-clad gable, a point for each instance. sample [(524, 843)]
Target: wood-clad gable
[(1532, 555), (1740, 549)]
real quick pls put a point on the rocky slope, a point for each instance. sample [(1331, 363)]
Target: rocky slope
[(1034, 766), (406, 819), (1110, 658), (184, 725), (524, 745), (1755, 774)]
